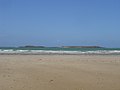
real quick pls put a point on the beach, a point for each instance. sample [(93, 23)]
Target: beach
[(59, 72)]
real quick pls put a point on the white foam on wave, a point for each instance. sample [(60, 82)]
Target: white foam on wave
[(10, 51)]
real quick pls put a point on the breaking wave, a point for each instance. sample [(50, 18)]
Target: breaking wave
[(102, 52)]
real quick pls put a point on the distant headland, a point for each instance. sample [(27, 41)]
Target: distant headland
[(81, 47), (30, 46)]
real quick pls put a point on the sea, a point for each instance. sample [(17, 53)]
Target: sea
[(58, 50)]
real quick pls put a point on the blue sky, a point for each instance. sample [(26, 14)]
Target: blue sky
[(60, 22)]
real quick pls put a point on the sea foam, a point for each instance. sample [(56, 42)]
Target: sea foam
[(11, 51)]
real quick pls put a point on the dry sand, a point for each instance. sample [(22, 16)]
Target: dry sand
[(59, 72)]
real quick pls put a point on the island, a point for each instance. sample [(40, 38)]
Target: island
[(81, 47), (30, 46)]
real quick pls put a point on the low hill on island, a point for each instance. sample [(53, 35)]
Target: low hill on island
[(81, 47)]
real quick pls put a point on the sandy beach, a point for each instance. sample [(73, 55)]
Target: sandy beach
[(59, 72)]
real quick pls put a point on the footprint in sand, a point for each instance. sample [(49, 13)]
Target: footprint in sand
[(39, 59), (51, 81)]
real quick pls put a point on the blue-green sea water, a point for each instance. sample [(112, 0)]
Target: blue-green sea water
[(57, 50)]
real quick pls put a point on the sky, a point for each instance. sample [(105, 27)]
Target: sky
[(60, 22)]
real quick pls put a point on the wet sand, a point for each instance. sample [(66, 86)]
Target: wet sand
[(59, 72)]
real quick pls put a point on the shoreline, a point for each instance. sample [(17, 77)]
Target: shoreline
[(64, 51), (56, 54)]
